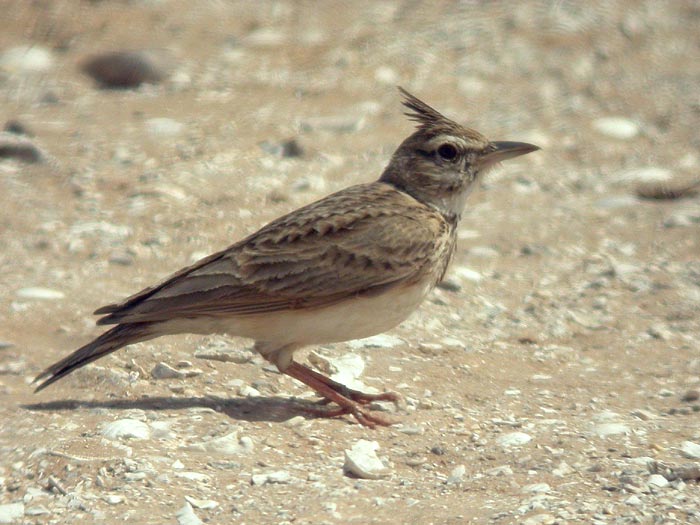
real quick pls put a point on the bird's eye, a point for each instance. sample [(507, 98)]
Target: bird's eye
[(447, 152)]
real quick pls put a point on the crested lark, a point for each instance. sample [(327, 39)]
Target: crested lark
[(348, 266)]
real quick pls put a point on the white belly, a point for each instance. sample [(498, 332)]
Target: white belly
[(352, 319)]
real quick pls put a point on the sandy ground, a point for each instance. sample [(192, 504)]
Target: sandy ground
[(553, 379)]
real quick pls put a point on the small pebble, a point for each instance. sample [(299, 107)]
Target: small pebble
[(125, 69), (644, 415), (202, 503), (386, 75), (126, 428), (610, 429), (186, 516), (295, 421), (36, 510), (193, 476), (165, 371), (537, 488), (228, 445), (113, 499), (657, 480), (513, 439), (456, 475), (265, 37), (690, 396), (646, 175), (616, 201), (540, 519), (248, 391), (362, 461), (503, 470), (377, 341), (616, 127), (26, 59), (467, 274), (683, 217), (17, 127), (11, 512), (633, 501), (278, 476), (19, 147), (164, 127), (285, 149), (690, 450)]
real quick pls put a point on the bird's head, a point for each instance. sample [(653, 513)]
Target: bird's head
[(441, 161)]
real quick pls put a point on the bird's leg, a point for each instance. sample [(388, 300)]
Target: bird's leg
[(346, 405), (360, 397)]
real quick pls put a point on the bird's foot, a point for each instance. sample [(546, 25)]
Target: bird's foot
[(362, 415), (350, 393), (349, 401)]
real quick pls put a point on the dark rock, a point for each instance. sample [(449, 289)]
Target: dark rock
[(125, 69)]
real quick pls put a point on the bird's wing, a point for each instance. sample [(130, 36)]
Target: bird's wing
[(356, 242)]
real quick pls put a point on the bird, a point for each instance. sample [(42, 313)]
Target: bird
[(351, 265)]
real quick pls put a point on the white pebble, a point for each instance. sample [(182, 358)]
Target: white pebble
[(610, 429), (386, 75), (113, 499), (377, 341), (690, 450), (295, 421), (126, 428), (540, 519), (165, 371), (202, 503), (345, 369), (228, 445), (648, 174), (537, 488), (616, 201), (633, 501), (193, 476), (265, 37), (164, 127), (248, 391), (513, 439), (616, 127), (36, 292), (26, 59), (657, 480), (456, 475), (186, 516), (470, 85), (36, 510), (362, 461), (278, 476), (161, 430), (11, 512), (467, 274)]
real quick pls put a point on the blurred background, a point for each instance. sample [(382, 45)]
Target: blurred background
[(141, 135)]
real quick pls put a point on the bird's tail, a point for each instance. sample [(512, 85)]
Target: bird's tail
[(112, 340)]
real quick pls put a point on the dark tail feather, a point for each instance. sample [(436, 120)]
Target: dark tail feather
[(112, 340)]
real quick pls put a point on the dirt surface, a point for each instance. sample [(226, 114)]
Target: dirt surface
[(553, 379)]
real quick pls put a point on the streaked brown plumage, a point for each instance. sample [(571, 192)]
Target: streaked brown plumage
[(351, 265)]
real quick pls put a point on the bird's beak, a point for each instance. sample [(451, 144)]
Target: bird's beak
[(503, 150)]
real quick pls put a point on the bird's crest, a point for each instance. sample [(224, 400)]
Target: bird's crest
[(427, 117), (422, 113), (431, 121)]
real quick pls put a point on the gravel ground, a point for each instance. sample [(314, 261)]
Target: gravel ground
[(553, 378)]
